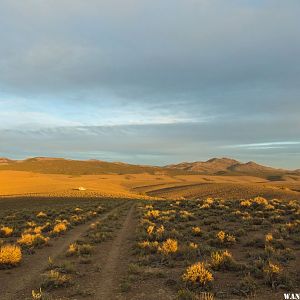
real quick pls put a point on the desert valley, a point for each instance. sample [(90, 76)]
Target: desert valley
[(218, 229)]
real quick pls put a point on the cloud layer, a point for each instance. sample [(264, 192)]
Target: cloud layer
[(151, 81)]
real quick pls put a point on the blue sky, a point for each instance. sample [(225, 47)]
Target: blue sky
[(151, 82)]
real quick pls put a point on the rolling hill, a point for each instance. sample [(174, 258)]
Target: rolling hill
[(81, 167)]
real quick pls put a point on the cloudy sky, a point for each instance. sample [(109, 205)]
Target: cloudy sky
[(152, 82)]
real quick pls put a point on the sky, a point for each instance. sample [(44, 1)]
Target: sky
[(151, 82)]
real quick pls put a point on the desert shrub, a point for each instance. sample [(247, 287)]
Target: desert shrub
[(245, 203), (196, 230), (36, 295), (72, 250), (168, 247), (160, 230), (41, 214), (28, 239), (269, 237), (272, 273), (147, 246), (197, 274), (59, 227), (185, 215), (76, 219), (150, 229), (193, 246), (152, 214), (260, 202), (10, 255), (222, 260), (6, 231), (224, 239)]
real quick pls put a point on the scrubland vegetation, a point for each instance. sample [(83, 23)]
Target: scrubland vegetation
[(22, 231), (209, 248), (218, 248)]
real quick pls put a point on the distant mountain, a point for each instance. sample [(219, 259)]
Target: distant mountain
[(214, 166), (228, 166), (82, 167), (4, 160)]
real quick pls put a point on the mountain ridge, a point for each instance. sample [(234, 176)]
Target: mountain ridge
[(224, 165), (213, 166)]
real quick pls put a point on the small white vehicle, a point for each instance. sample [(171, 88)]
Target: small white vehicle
[(81, 188)]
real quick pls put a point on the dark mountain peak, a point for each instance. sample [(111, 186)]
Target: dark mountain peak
[(44, 158), (222, 160)]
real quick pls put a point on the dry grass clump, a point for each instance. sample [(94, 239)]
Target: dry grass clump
[(41, 214), (75, 219), (269, 238), (54, 279), (85, 249), (193, 246), (154, 213), (28, 239), (293, 227), (207, 203), (222, 260), (72, 250), (78, 210), (75, 249), (160, 230), (149, 207), (272, 273), (150, 229), (168, 247), (245, 203), (186, 215), (149, 246), (198, 274), (196, 230), (206, 296), (36, 295), (6, 231), (186, 294), (225, 238), (10, 255), (31, 224)]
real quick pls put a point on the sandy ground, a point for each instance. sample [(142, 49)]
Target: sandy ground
[(14, 183)]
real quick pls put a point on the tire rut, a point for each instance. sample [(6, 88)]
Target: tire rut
[(107, 283)]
